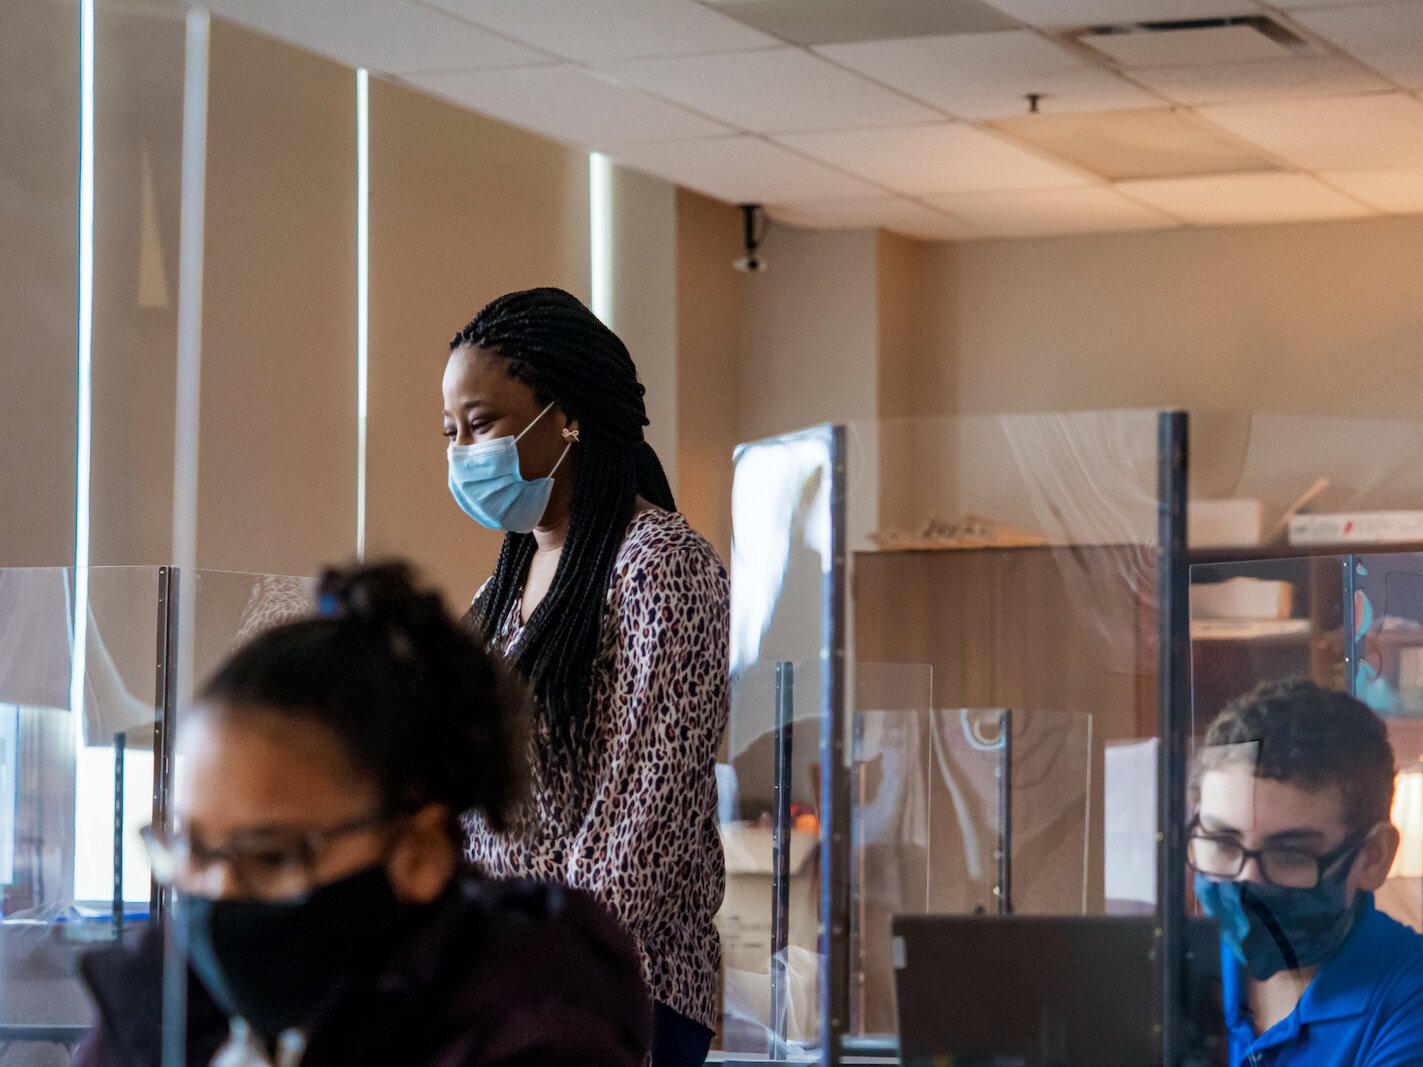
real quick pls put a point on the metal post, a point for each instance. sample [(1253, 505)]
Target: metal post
[(1003, 891), (781, 859), (1354, 648), (834, 777), (165, 726), (165, 719), (119, 743), (1173, 704)]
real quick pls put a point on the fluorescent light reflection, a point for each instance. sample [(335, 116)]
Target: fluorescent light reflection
[(85, 384), (600, 234), (363, 282)]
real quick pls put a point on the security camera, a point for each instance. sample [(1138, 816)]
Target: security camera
[(753, 232)]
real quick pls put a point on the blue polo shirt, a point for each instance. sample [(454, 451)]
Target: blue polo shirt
[(1363, 1009)]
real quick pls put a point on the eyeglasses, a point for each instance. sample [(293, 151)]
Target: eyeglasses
[(273, 863), (1223, 858)]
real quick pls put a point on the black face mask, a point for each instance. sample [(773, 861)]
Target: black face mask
[(274, 964)]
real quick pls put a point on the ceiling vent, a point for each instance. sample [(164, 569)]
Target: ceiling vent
[(1193, 42)]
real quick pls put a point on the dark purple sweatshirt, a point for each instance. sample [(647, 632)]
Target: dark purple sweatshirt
[(496, 974)]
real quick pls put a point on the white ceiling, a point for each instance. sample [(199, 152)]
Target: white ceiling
[(928, 133)]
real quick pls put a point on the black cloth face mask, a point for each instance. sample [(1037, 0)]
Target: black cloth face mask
[(275, 963)]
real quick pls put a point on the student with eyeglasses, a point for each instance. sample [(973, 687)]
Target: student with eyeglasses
[(322, 898), (1290, 839)]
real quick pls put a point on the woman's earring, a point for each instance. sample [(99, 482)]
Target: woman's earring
[(570, 434)]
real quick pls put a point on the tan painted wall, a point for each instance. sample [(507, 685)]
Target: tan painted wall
[(278, 423), (139, 74), (39, 169), (645, 298), (810, 344), (1317, 318), (463, 208), (710, 300)]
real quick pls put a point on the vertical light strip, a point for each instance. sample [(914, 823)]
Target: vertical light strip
[(86, 380), (600, 234), (363, 306), (192, 222)]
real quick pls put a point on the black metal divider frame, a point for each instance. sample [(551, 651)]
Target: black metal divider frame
[(175, 969), (1173, 704)]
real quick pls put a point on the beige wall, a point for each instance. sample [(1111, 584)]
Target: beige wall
[(463, 208), (277, 471), (1310, 318), (809, 343), (39, 115), (644, 226), (710, 299)]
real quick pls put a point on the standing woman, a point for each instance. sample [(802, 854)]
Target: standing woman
[(616, 612)]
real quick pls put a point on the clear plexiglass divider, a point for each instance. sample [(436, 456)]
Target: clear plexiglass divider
[(87, 716), (1307, 561), (940, 626)]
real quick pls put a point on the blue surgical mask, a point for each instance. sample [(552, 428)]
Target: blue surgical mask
[(1270, 929), (487, 485)]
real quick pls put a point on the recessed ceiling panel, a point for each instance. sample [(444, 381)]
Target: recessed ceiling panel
[(1275, 79), (1243, 199), (1396, 191), (1388, 37), (988, 75), (603, 29), (784, 89), (831, 21), (1332, 133), (897, 214), (569, 104), (1160, 143), (392, 36), (1052, 211), (1187, 47), (742, 170), (1121, 12), (942, 158)]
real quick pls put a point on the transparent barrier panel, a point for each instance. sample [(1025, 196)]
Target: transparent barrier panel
[(75, 789), (770, 783), (958, 811)]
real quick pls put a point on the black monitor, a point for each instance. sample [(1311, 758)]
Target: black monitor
[(1031, 991)]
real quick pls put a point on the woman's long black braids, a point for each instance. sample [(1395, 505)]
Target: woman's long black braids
[(565, 354)]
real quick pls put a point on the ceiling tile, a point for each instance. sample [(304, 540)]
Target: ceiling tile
[(908, 217), (987, 75), (784, 89), (1397, 191), (1275, 79), (569, 104), (1120, 12), (1243, 199), (391, 36), (1160, 143), (1048, 211), (604, 29), (942, 158), (1388, 37), (829, 21), (1335, 133), (742, 170), (1177, 48)]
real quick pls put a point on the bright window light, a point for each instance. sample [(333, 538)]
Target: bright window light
[(86, 341), (600, 233), (363, 280)]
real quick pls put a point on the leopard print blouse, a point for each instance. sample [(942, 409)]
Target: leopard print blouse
[(637, 827)]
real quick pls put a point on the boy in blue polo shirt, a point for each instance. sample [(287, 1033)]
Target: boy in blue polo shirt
[(1291, 836)]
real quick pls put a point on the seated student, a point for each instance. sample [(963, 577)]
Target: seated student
[(322, 900), (1291, 837)]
